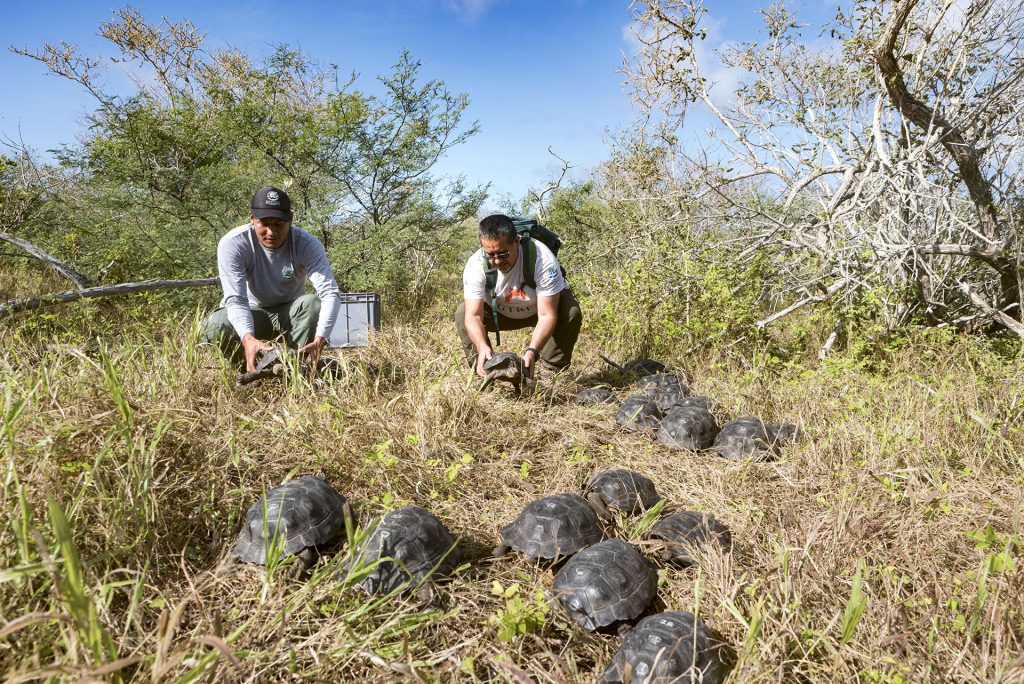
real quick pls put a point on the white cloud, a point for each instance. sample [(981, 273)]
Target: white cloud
[(469, 10)]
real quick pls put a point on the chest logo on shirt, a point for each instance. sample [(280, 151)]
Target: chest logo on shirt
[(287, 272), (515, 293)]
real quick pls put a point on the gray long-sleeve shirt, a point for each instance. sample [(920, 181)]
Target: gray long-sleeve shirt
[(254, 275)]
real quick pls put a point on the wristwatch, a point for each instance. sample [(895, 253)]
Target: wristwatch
[(534, 350)]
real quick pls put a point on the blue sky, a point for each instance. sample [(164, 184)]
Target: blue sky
[(538, 73)]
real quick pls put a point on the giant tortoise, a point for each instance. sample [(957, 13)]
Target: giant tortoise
[(295, 518), (605, 583), (638, 414), (555, 526), (688, 427), (406, 547), (743, 438), (668, 647), (681, 531), (506, 367), (622, 490)]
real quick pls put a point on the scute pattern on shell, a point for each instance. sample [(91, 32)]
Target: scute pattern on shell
[(667, 396), (699, 402), (685, 529), (301, 513), (553, 526), (625, 490), (658, 380), (591, 396), (688, 427), (605, 583), (638, 413), (672, 646), (742, 438), (415, 537)]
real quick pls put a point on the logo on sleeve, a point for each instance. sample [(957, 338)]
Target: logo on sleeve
[(552, 271)]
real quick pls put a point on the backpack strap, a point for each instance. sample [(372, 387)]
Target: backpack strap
[(491, 279), (529, 261)]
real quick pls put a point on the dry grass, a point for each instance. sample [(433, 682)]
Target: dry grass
[(852, 559)]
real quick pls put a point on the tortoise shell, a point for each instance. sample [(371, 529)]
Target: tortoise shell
[(683, 530), (667, 396), (591, 396), (302, 513), (554, 526), (658, 380), (782, 433), (699, 402), (411, 545), (637, 368), (672, 646), (624, 490), (605, 583), (742, 438), (638, 413), (688, 427), (507, 363)]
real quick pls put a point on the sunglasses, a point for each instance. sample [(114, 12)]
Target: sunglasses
[(503, 254)]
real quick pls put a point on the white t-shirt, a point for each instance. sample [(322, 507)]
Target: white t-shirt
[(515, 299)]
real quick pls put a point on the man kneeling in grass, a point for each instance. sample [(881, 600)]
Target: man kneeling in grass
[(540, 299), (263, 267)]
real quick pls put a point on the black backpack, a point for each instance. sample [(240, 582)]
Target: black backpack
[(528, 230)]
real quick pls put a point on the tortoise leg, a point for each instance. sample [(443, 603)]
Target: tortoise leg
[(500, 550)]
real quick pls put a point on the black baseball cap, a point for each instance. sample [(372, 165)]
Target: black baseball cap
[(271, 202)]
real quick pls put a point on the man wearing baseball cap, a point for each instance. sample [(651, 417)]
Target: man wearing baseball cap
[(263, 267)]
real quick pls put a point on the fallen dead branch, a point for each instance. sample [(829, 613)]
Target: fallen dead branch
[(14, 305)]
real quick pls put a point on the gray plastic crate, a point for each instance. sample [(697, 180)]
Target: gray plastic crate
[(358, 315)]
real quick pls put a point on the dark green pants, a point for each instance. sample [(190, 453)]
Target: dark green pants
[(296, 320), (558, 349)]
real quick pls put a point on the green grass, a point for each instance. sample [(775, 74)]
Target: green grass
[(883, 547)]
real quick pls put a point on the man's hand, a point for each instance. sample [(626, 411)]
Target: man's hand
[(482, 357), (529, 361), (253, 347), (312, 353)]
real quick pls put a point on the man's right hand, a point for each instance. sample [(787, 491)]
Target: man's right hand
[(482, 357), (253, 347)]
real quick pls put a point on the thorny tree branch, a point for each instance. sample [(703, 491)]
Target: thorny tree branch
[(889, 159)]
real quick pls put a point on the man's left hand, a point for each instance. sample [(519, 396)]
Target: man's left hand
[(312, 353)]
